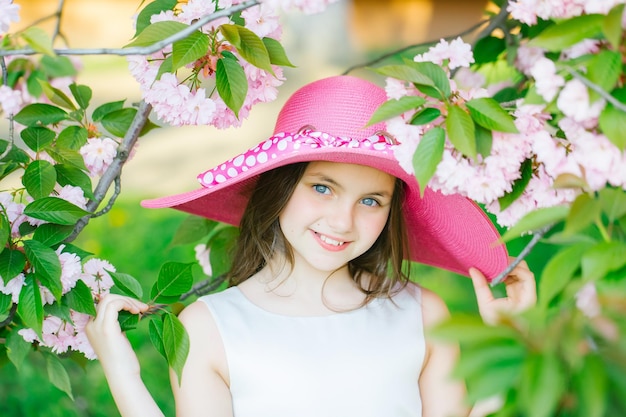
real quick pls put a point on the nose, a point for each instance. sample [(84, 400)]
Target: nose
[(340, 217)]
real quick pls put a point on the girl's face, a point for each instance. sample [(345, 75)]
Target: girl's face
[(336, 213)]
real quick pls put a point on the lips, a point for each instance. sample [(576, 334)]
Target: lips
[(329, 243)]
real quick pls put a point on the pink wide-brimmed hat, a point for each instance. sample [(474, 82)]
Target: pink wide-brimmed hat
[(327, 121)]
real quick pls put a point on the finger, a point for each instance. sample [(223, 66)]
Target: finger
[(481, 287)]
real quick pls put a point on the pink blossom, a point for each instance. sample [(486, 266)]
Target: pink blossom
[(395, 88), (584, 47), (74, 195), (524, 10), (408, 137), (587, 300), (529, 118), (79, 342), (202, 256), (527, 57), (96, 277), (457, 53), (14, 212), (468, 79), (98, 154), (13, 287), (262, 86), (71, 268), (9, 12), (573, 101), (262, 20), (10, 100), (547, 82), (600, 7), (197, 109), (195, 9)]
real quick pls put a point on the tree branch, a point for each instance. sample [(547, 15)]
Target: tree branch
[(146, 50), (595, 87), (114, 170)]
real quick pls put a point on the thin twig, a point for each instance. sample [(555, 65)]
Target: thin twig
[(116, 193), (146, 50), (59, 15), (10, 317), (535, 239)]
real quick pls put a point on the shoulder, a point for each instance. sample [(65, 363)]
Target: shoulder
[(434, 309)]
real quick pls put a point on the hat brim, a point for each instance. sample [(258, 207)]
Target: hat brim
[(445, 231)]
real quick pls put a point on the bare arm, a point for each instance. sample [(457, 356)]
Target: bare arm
[(204, 386), (442, 396), (118, 359)]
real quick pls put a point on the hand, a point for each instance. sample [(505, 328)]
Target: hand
[(521, 293), (105, 335)]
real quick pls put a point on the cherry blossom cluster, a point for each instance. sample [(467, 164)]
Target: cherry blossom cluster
[(583, 152), (8, 14), (58, 334), (180, 99), (527, 11)]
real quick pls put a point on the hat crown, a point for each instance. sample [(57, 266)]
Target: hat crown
[(340, 106)]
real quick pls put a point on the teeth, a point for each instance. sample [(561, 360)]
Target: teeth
[(330, 241)]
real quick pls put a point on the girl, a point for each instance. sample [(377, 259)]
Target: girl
[(321, 319)]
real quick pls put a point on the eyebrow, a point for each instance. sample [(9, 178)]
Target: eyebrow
[(322, 177)]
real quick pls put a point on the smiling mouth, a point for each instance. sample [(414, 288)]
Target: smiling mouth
[(329, 241)]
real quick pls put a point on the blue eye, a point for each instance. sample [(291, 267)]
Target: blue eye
[(370, 202), (322, 189)]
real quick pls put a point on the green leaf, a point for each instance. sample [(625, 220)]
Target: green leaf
[(612, 120), (39, 40), (249, 45), (489, 114), (189, 49), (37, 138), (231, 83), (56, 96), (39, 178), (405, 73), (526, 171), (80, 299), (30, 307), (50, 234), (393, 108), (57, 66), (569, 32), (157, 32), (40, 114), (277, 53), (604, 70), (127, 321), (425, 116), (118, 122), (58, 374), (221, 245), (603, 258), (155, 331), (55, 210), (82, 94), (176, 343), (613, 202), (428, 155), (192, 229), (471, 329), (15, 155), (488, 49), (72, 137), (175, 278), (584, 211), (536, 220), (543, 384), (105, 109), (67, 157), (612, 26), (484, 140), (559, 271), (591, 387), (70, 175), (460, 128), (12, 262), (17, 349), (153, 8), (127, 284), (436, 74), (5, 231), (46, 264)]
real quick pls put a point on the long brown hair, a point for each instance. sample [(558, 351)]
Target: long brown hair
[(377, 271)]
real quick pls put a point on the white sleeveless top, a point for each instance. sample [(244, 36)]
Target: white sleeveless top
[(361, 363)]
